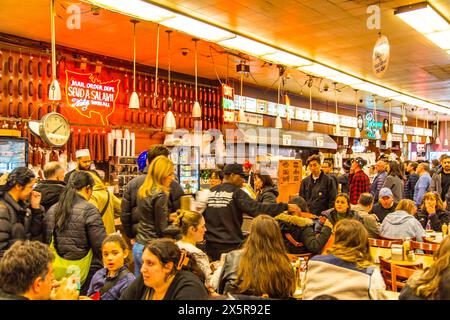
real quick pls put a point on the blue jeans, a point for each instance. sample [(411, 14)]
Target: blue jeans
[(137, 257)]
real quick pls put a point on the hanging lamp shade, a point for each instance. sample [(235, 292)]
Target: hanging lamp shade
[(357, 133), (134, 99), (54, 93), (437, 141), (427, 140), (377, 135), (446, 142), (278, 123), (197, 110), (310, 126), (241, 114), (405, 138), (389, 137), (169, 122), (338, 128)]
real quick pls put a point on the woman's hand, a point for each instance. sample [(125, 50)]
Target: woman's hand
[(63, 290)]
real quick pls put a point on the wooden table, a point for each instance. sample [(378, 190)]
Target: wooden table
[(376, 252)]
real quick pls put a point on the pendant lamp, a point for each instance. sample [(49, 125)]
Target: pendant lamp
[(54, 93), (278, 122), (357, 132), (404, 119), (287, 101), (438, 140), (197, 110), (446, 133), (427, 139), (416, 137), (241, 114), (155, 94), (310, 126), (169, 120), (134, 99), (377, 131), (338, 124)]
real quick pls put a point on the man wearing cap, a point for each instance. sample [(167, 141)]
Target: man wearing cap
[(318, 189), (224, 212), (84, 162), (423, 184), (385, 204), (358, 181), (343, 178), (378, 181)]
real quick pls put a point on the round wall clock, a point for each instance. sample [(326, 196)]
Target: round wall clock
[(54, 129)]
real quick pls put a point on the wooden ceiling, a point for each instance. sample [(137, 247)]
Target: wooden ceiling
[(333, 32)]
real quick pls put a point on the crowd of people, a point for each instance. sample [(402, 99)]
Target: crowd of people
[(58, 238)]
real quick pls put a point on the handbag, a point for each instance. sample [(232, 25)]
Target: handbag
[(65, 267)]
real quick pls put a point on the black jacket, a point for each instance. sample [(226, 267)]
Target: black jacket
[(268, 195), (381, 212), (229, 272), (18, 221), (436, 221), (50, 191), (84, 231), (301, 231), (223, 214), (319, 195), (343, 181), (153, 217), (185, 286), (11, 296), (129, 215)]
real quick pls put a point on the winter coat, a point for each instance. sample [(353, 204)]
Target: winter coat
[(224, 213), (400, 225), (229, 272), (421, 187), (200, 258), (410, 185), (370, 221), (435, 185), (331, 215), (18, 221), (84, 231), (396, 185), (268, 195), (50, 191), (153, 217), (299, 236), (99, 199), (407, 292), (343, 181), (319, 194), (436, 220), (377, 184), (328, 274), (382, 212), (129, 216), (101, 277), (185, 286)]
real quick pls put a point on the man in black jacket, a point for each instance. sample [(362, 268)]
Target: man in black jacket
[(19, 220), (319, 190), (129, 216), (53, 185), (226, 205)]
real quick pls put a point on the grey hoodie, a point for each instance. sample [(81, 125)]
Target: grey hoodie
[(400, 225)]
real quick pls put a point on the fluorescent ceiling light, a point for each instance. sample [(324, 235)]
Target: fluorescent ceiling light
[(197, 28), (408, 100), (319, 70), (435, 108), (247, 45), (422, 17), (135, 8), (379, 91), (441, 39), (345, 79), (286, 58)]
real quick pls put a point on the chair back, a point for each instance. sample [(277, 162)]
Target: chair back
[(386, 271), (428, 248), (399, 276), (386, 238), (381, 243)]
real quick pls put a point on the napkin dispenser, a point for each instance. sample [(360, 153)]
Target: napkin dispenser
[(397, 252)]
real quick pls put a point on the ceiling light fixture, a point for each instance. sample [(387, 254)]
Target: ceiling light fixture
[(197, 110), (169, 120), (427, 139), (134, 99), (377, 131), (278, 122), (54, 93), (437, 140), (248, 46), (286, 58), (241, 114), (357, 131)]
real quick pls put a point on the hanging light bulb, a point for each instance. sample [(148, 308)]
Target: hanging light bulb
[(427, 139), (197, 110), (310, 126), (437, 140), (278, 122), (446, 133), (405, 138), (134, 99), (169, 120), (377, 134), (357, 132), (54, 93)]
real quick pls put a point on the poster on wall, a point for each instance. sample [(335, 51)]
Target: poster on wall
[(90, 96)]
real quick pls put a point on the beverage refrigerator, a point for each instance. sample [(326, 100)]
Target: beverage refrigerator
[(187, 167)]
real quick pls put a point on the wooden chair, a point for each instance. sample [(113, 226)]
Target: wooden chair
[(386, 271), (427, 240), (386, 238), (428, 248), (399, 276), (381, 243)]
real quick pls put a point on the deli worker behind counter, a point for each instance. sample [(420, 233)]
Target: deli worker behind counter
[(226, 205)]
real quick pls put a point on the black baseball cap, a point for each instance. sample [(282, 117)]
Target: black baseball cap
[(235, 168)]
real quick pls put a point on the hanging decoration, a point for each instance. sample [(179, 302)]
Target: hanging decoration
[(197, 110), (358, 127), (134, 99), (389, 134), (54, 93), (169, 120), (437, 140)]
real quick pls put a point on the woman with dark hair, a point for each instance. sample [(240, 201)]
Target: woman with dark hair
[(74, 227), (261, 267), (342, 210), (394, 180), (167, 273), (432, 214), (346, 270), (20, 211), (266, 191), (424, 284)]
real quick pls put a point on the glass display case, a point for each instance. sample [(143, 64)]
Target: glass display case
[(187, 167)]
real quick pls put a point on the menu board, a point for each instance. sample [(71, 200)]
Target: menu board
[(271, 108), (289, 178), (282, 110), (250, 104), (261, 106)]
